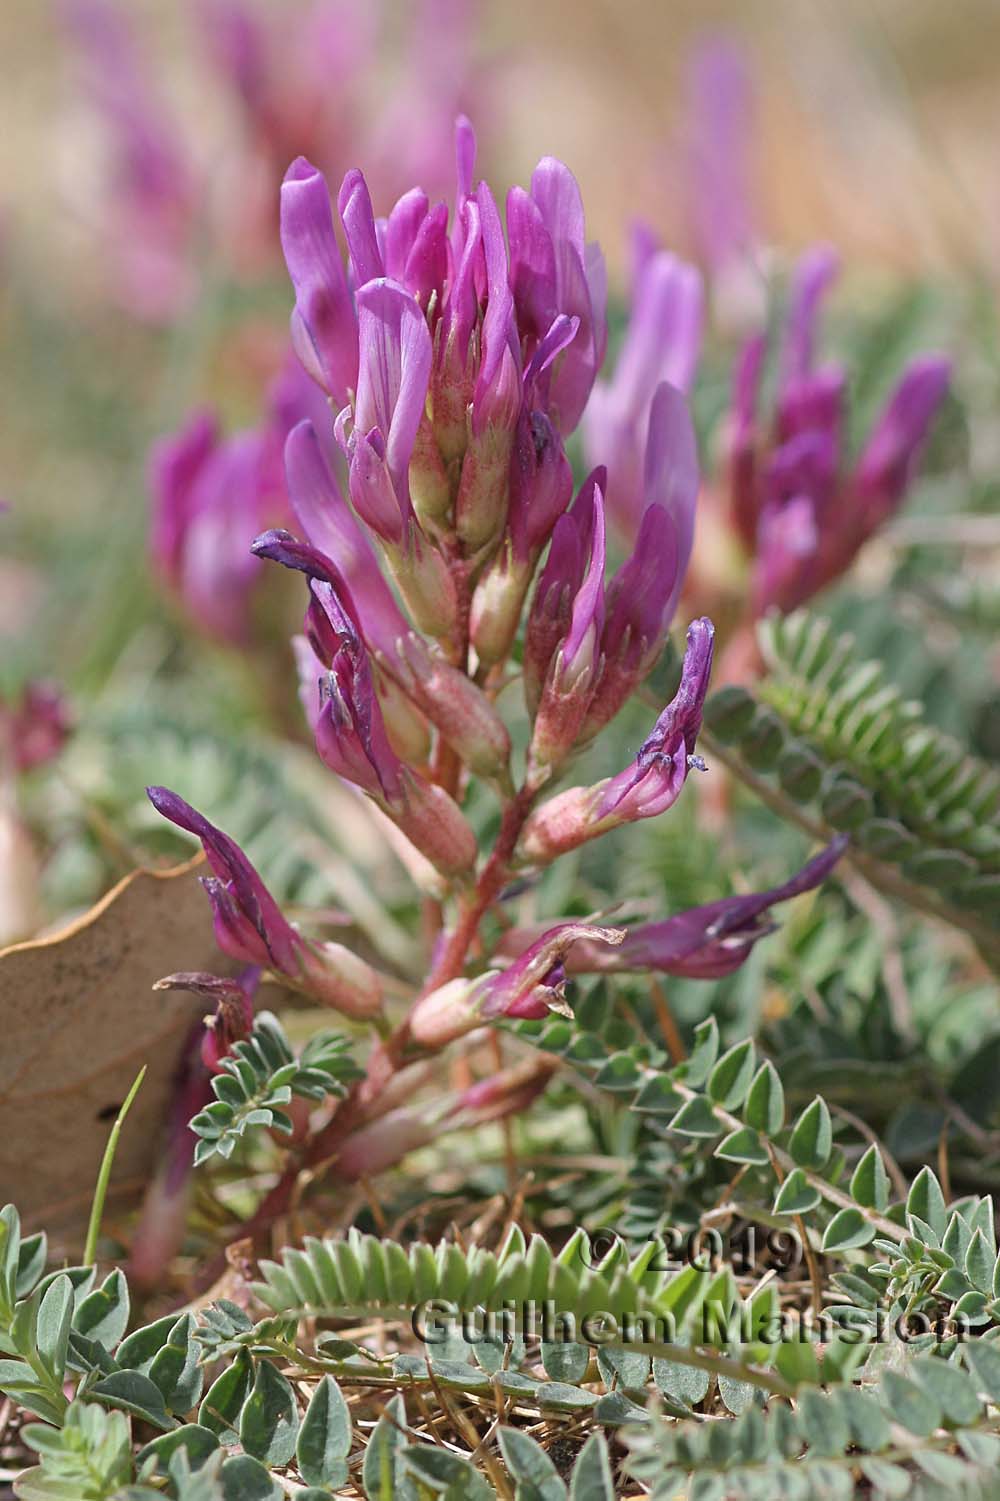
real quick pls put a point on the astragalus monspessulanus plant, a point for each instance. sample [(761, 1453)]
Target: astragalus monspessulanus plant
[(445, 554)]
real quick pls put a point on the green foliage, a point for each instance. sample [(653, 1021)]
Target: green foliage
[(833, 741), (841, 1443), (260, 1075)]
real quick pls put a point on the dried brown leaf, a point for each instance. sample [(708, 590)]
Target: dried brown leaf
[(78, 1018)]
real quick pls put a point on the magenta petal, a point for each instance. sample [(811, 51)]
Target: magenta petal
[(497, 392), (811, 280), (354, 205), (532, 264), (587, 618), (395, 368), (401, 230), (324, 326)]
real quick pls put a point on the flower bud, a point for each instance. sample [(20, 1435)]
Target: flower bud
[(448, 1012), (452, 702), (435, 823)]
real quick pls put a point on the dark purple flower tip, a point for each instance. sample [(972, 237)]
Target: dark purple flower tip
[(711, 941), (281, 546), (248, 922)]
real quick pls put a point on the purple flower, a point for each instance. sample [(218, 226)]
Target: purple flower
[(350, 732), (531, 987), (232, 1019), (34, 726), (149, 220), (333, 530), (563, 641), (568, 607), (395, 362), (802, 510), (662, 344), (720, 130), (577, 289), (534, 984), (211, 496), (707, 942), (324, 325), (650, 785), (249, 926)]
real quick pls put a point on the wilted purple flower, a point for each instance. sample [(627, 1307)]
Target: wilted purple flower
[(412, 680), (706, 942), (333, 530), (649, 786), (232, 1018), (350, 731), (250, 928), (662, 344), (529, 988), (802, 509)]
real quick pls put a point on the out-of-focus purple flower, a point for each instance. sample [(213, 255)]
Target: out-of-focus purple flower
[(650, 785), (802, 509), (154, 195), (250, 927), (706, 942), (212, 494), (719, 119), (34, 727), (662, 344)]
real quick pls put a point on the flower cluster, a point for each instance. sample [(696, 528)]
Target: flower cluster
[(445, 554), (801, 508), (286, 84), (212, 493)]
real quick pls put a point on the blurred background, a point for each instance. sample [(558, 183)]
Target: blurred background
[(140, 279)]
